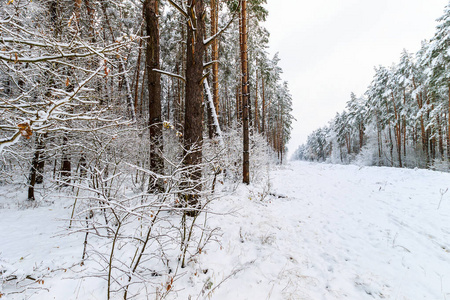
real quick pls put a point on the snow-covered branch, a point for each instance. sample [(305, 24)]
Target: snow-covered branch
[(170, 74)]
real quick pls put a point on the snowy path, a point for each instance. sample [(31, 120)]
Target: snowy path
[(342, 232), (325, 232)]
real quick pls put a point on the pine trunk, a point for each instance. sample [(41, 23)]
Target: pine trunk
[(257, 126), (397, 132), (215, 53), (391, 144), (441, 143), (193, 128), (263, 117), (154, 93), (136, 81), (448, 123), (245, 93)]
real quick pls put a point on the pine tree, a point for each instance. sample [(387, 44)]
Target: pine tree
[(151, 16)]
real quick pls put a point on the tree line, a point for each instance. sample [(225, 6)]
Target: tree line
[(403, 118)]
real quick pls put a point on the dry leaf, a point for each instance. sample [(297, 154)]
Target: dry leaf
[(25, 130)]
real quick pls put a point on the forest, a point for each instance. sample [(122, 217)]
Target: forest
[(135, 113), (403, 118), (143, 154)]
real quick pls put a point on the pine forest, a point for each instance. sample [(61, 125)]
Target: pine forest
[(403, 118), (146, 151)]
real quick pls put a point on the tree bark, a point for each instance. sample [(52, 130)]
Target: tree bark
[(215, 53), (154, 93), (263, 117), (441, 143), (245, 94), (257, 127), (448, 123), (35, 172), (136, 82), (397, 132), (193, 127)]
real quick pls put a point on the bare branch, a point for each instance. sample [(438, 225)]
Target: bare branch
[(209, 64), (181, 10)]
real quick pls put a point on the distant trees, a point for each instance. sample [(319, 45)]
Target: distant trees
[(403, 118)]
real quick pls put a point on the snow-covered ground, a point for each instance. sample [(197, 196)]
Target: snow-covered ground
[(320, 232)]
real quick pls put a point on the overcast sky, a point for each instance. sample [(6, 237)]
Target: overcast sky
[(329, 49)]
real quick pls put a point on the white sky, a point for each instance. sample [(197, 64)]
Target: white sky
[(329, 49)]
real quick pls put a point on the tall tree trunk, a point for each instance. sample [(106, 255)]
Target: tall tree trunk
[(171, 101), (245, 93), (35, 173), (136, 81), (422, 127), (154, 93), (263, 117), (238, 99), (215, 53), (143, 102), (193, 128), (391, 144), (404, 129), (441, 143), (397, 132), (179, 111), (210, 120), (448, 123), (228, 109), (209, 109), (433, 137), (380, 140), (257, 127), (281, 134), (398, 138)]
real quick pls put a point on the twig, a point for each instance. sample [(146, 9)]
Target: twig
[(442, 191)]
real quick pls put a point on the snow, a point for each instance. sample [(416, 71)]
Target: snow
[(308, 231)]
